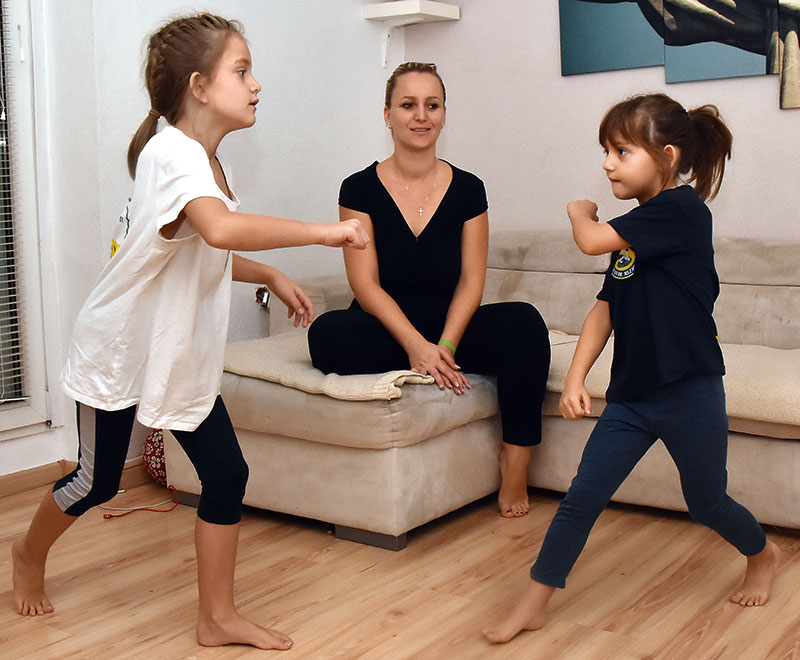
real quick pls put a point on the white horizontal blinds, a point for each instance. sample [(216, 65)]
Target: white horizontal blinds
[(11, 381)]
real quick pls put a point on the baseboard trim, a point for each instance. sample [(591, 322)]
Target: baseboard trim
[(134, 474)]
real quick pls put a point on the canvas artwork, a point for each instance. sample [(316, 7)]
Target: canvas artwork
[(691, 39)]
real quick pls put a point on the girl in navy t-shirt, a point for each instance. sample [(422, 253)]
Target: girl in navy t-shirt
[(666, 375)]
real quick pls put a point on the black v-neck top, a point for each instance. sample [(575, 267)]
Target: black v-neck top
[(419, 272)]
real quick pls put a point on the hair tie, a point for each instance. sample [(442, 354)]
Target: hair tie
[(154, 113)]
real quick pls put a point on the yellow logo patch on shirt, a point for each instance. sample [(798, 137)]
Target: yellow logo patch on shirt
[(625, 264)]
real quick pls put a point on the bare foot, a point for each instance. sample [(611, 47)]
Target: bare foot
[(27, 578), (761, 570), (512, 500), (238, 630), (527, 614)]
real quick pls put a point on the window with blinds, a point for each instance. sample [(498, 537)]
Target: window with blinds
[(24, 403), (11, 381)]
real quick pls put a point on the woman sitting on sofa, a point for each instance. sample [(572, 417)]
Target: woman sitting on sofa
[(419, 283)]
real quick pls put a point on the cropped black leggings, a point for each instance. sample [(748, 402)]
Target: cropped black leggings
[(104, 438), (508, 340)]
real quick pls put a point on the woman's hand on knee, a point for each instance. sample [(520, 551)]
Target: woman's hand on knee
[(459, 382), (429, 359)]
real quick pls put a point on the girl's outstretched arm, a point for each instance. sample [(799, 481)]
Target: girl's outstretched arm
[(575, 399), (290, 293), (592, 236), (227, 230)]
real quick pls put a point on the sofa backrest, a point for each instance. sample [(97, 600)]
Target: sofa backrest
[(545, 268), (759, 300)]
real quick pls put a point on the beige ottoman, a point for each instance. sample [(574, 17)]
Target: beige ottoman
[(375, 455)]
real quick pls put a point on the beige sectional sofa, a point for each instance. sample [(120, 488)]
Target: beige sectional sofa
[(377, 456)]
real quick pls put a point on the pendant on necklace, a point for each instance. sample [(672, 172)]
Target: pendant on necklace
[(420, 210)]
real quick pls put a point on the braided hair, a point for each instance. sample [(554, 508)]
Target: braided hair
[(176, 51)]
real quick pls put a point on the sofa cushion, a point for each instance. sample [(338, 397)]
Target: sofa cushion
[(762, 387), (546, 268), (548, 292), (543, 251), (284, 359), (758, 315), (421, 413), (270, 386), (757, 261)]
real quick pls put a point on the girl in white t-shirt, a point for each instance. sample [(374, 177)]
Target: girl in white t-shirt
[(149, 341)]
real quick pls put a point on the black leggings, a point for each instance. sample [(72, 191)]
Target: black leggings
[(507, 340), (104, 438)]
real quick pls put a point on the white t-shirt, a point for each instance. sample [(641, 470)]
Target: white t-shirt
[(153, 330)]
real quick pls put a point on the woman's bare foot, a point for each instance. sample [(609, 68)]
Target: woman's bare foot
[(512, 500), (27, 578), (238, 630), (761, 570), (529, 613)]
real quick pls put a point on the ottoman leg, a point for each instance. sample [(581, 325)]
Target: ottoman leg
[(385, 541), (187, 499)]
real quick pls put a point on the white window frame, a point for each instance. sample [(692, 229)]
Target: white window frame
[(30, 415)]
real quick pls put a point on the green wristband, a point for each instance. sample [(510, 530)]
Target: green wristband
[(449, 344)]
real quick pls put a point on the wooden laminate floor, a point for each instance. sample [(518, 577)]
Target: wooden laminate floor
[(649, 585)]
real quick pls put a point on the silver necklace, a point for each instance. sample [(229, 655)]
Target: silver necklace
[(420, 209)]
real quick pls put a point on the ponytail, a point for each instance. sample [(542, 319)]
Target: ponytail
[(714, 141), (146, 130), (653, 121)]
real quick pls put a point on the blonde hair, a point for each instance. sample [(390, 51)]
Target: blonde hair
[(176, 51), (411, 67), (652, 121)]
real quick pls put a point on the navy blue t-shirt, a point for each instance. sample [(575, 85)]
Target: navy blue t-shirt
[(661, 293), (419, 272)]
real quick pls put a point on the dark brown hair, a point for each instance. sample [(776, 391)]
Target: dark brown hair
[(411, 67), (652, 121), (177, 50)]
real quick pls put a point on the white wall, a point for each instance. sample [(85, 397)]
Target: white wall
[(319, 116), (531, 134), (512, 119), (319, 119), (67, 181)]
